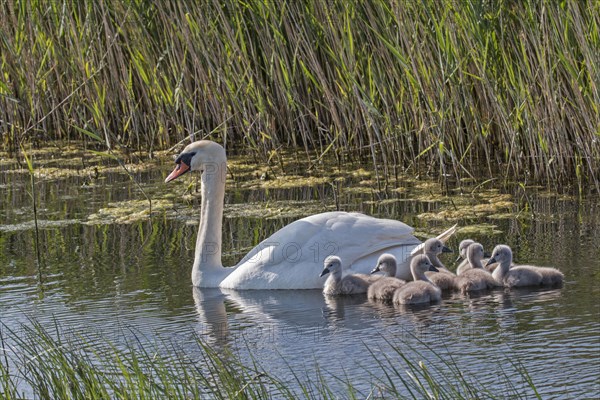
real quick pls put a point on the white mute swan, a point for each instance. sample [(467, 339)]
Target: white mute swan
[(292, 257), (521, 275), (421, 290), (335, 285), (475, 277), (444, 279), (384, 288)]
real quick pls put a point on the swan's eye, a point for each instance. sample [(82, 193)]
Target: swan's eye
[(185, 158)]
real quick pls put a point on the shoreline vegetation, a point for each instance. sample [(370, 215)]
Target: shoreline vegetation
[(57, 363), (497, 90)]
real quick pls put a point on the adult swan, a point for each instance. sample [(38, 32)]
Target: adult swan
[(292, 258)]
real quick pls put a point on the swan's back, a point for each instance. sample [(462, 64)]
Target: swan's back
[(462, 267), (368, 278), (383, 289), (551, 276), (444, 279), (465, 266), (288, 259), (522, 275), (417, 292), (420, 290), (476, 279)]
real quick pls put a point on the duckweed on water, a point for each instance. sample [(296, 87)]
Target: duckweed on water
[(126, 212), (289, 181), (480, 230), (282, 172), (42, 224)]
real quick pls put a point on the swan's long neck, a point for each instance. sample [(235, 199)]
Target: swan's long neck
[(208, 270), (503, 267), (436, 261), (391, 272), (475, 261), (418, 274)]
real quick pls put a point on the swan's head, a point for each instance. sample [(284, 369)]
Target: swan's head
[(475, 252), (386, 263), (202, 155), (435, 246), (501, 253), (331, 264), (421, 264), (462, 248)]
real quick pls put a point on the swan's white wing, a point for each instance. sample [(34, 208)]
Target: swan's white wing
[(292, 258)]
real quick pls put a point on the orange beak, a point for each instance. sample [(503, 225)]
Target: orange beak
[(179, 170)]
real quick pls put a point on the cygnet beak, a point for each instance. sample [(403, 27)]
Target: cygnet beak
[(490, 261), (446, 250)]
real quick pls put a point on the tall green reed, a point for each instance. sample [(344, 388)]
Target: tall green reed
[(454, 89)]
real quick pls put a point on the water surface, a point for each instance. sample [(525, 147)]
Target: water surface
[(132, 278)]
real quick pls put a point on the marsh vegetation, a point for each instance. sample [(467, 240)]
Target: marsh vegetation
[(478, 89)]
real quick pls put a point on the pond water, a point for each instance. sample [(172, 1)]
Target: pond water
[(119, 276)]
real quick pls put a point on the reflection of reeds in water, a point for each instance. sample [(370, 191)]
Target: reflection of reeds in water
[(29, 162), (60, 365), (458, 88)]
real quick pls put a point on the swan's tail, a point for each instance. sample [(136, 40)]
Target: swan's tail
[(444, 236)]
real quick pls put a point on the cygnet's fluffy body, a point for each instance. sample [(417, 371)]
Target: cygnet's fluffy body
[(337, 285), (475, 277), (383, 288), (421, 289), (513, 276), (444, 279), (550, 276)]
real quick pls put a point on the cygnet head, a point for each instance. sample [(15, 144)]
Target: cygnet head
[(462, 248), (203, 155), (435, 246), (332, 264), (386, 263), (502, 254), (475, 252), (421, 264)]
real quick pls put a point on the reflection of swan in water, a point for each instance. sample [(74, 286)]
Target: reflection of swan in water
[(301, 312), (212, 313), (264, 309), (336, 308), (292, 257)]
